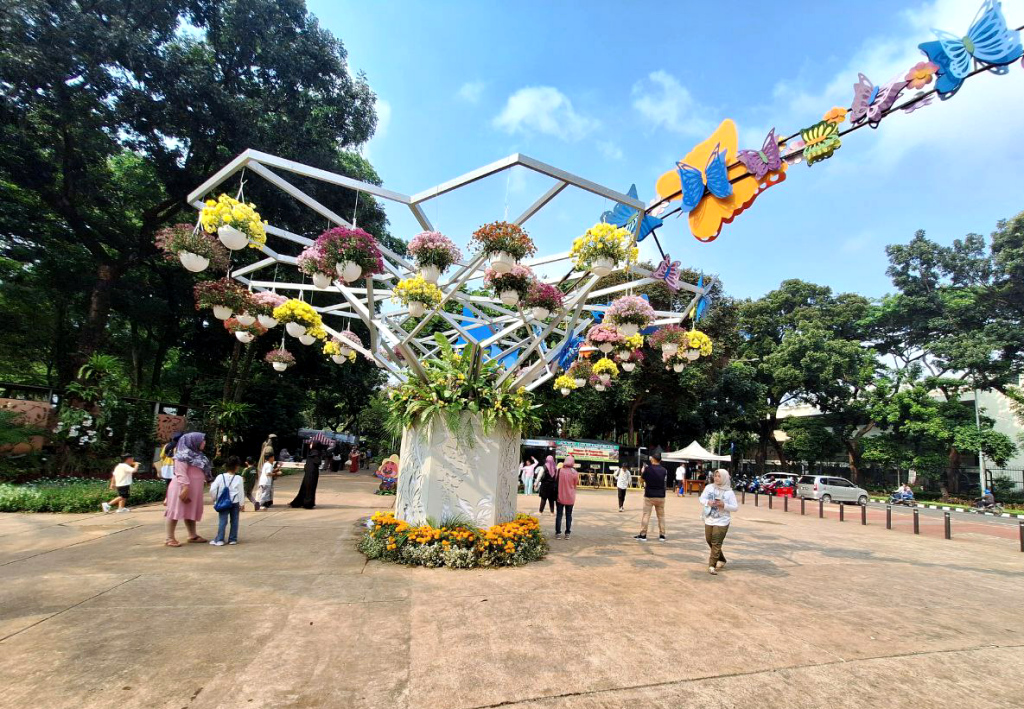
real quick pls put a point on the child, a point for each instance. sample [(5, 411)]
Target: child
[(232, 482), (249, 482), (121, 479), (265, 486)]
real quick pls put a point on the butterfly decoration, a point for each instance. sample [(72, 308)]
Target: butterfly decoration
[(920, 101), (715, 175), (622, 215), (760, 162), (703, 302), (989, 42), (570, 350), (820, 141), (871, 102), (668, 271)]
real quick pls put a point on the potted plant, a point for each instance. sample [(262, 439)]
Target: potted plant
[(630, 313), (580, 371), (510, 286), (346, 337), (699, 345), (224, 296), (262, 304), (237, 224), (312, 334), (605, 370), (543, 299), (669, 338), (504, 244), (675, 360), (192, 246), (352, 252), (434, 253), (629, 345), (602, 247), (565, 384), (280, 359), (297, 316), (595, 381), (338, 351), (418, 294), (244, 333), (313, 262), (604, 337), (635, 357)]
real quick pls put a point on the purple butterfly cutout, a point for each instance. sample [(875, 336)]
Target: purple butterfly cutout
[(920, 102), (759, 162), (668, 271), (871, 102)]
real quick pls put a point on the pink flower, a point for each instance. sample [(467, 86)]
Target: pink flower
[(921, 74), (631, 309), (601, 334)]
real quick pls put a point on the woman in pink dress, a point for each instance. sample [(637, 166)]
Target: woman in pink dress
[(185, 494)]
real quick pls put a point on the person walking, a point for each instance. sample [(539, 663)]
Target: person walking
[(623, 478), (265, 484), (681, 479), (568, 479), (267, 449), (185, 495), (306, 496), (655, 478), (231, 485), (249, 475), (718, 501), (548, 484), (121, 480), (526, 470)]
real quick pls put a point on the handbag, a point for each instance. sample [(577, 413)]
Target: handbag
[(224, 502)]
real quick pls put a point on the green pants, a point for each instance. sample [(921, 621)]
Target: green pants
[(715, 536)]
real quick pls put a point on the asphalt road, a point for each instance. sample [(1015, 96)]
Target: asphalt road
[(928, 512)]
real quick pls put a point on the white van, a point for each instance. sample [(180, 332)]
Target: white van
[(830, 489)]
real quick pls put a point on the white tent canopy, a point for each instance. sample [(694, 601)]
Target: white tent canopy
[(694, 451)]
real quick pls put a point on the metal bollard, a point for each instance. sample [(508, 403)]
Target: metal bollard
[(785, 503), (770, 500), (821, 509), (1021, 535), (949, 531), (756, 495), (864, 514), (842, 509), (743, 497), (803, 503), (917, 522), (888, 516)]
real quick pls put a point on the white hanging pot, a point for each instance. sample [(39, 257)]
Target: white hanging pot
[(221, 312), (430, 273), (502, 262), (628, 329), (321, 280), (678, 366), (580, 381), (540, 313), (509, 297), (606, 379), (599, 387), (232, 238), (565, 391), (629, 366), (606, 347), (692, 354), (622, 356), (349, 271), (602, 266), (267, 321), (244, 336), (416, 309), (345, 350), (307, 339), (245, 319), (295, 329), (193, 262), (279, 366), (338, 359), (669, 348)]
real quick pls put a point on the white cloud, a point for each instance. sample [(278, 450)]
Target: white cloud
[(610, 150), (471, 91), (665, 103), (383, 118), (544, 110)]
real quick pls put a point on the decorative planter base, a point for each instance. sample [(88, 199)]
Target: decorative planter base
[(193, 262), (441, 477), (267, 321), (629, 366), (338, 359), (628, 329), (279, 366), (245, 319), (430, 273), (509, 297), (321, 281), (417, 309), (221, 312)]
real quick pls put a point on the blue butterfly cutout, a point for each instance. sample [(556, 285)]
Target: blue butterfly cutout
[(623, 215), (988, 41), (598, 316), (692, 180), (703, 303), (570, 350)]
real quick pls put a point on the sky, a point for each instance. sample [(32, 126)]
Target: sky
[(616, 92)]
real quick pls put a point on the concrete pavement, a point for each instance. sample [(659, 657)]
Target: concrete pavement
[(95, 612)]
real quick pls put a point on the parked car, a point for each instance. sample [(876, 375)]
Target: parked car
[(829, 489), (771, 477)]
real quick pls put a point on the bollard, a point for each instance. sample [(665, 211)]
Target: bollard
[(770, 500), (888, 516), (864, 514), (1021, 536), (917, 522), (821, 509), (803, 502), (756, 495), (743, 496), (949, 532), (842, 509), (785, 503)]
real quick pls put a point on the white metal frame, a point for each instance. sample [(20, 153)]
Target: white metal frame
[(513, 329)]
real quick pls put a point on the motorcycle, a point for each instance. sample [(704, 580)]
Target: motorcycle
[(898, 499), (980, 506)]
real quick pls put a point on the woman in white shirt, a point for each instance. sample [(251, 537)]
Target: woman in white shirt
[(622, 480), (718, 501)]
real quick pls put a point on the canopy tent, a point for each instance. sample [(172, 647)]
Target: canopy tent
[(694, 451)]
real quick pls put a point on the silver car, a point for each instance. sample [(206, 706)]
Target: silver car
[(830, 489)]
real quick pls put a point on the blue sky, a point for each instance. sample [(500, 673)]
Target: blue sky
[(617, 92)]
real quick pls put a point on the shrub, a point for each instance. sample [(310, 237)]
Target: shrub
[(72, 495)]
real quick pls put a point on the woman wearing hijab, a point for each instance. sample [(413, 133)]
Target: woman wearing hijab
[(548, 484), (568, 479), (306, 496), (718, 502), (185, 493)]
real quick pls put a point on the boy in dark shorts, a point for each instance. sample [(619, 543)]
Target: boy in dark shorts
[(121, 480)]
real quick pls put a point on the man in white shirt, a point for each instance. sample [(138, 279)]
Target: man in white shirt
[(121, 479), (623, 479)]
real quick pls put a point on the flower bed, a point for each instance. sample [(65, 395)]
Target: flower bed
[(73, 495), (456, 545)]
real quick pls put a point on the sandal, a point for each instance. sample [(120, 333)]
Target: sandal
[(197, 540), (172, 543)]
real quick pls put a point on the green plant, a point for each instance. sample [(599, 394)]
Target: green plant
[(72, 495)]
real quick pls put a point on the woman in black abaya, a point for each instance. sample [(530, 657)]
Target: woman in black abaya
[(306, 496)]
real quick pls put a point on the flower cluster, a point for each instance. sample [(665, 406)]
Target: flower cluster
[(186, 238), (603, 240), (921, 74), (228, 211), (351, 336), (313, 260), (503, 236), (519, 278), (281, 355), (455, 545), (416, 290), (299, 312), (604, 334), (633, 342), (263, 302), (634, 356), (256, 329), (333, 347), (544, 295), (565, 381), (581, 369), (669, 335), (630, 309), (837, 115), (606, 366), (226, 292), (699, 341), (432, 248), (342, 244)]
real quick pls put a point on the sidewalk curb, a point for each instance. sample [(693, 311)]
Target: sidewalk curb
[(953, 509)]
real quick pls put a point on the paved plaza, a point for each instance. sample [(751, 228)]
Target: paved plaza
[(95, 612)]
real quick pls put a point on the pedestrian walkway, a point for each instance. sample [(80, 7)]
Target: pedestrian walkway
[(95, 612)]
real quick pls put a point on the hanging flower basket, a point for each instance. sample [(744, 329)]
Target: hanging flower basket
[(244, 333), (505, 244), (262, 304), (565, 384), (604, 337), (633, 358), (602, 248), (314, 263), (193, 247), (669, 338), (605, 370), (597, 383), (350, 252), (346, 339), (237, 224), (580, 371), (543, 299), (434, 253), (630, 313), (224, 296), (338, 351), (698, 345), (280, 359), (246, 319), (512, 285), (298, 317), (418, 294)]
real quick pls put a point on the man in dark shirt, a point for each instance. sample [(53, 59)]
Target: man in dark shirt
[(654, 477)]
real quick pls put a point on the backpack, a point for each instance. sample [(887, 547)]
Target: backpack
[(224, 502)]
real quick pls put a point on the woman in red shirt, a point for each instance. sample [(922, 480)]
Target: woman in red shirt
[(568, 479)]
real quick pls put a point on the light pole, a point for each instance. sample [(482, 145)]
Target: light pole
[(981, 453)]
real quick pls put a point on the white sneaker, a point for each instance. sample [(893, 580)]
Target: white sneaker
[(232, 543), (123, 510), (713, 571), (215, 543), (105, 506)]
